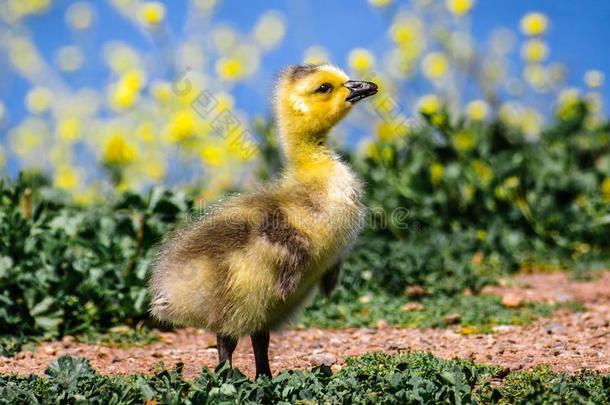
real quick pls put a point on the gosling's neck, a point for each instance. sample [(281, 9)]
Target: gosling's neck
[(307, 156)]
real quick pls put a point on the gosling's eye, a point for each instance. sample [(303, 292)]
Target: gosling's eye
[(324, 88)]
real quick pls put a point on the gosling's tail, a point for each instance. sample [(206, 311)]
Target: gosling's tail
[(160, 303)]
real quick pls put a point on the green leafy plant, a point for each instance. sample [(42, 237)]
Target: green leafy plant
[(67, 270), (375, 378)]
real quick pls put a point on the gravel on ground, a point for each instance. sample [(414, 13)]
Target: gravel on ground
[(569, 341)]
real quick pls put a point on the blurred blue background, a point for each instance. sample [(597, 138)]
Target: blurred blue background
[(578, 35)]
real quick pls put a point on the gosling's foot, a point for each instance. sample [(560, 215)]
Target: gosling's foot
[(226, 346), (260, 345)]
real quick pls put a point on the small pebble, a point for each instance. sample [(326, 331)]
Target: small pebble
[(320, 359), (67, 340), (412, 307), (335, 368), (452, 319), (511, 300), (415, 291)]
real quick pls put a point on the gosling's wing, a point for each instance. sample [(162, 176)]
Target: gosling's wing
[(294, 247), (233, 226)]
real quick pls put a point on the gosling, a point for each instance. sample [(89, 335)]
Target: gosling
[(249, 264)]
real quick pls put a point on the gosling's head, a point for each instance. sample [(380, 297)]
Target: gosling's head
[(311, 99)]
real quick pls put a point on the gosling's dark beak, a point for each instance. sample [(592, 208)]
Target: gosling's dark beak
[(359, 90)]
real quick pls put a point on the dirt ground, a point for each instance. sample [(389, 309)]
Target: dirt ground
[(569, 341)]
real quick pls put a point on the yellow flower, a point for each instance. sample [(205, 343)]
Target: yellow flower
[(66, 178), (582, 248), (270, 29), (123, 97), (230, 69), (239, 145), (161, 91), (38, 100), (500, 193), (69, 129), (60, 153), (212, 155), (225, 39), (26, 138), (512, 182), (388, 130), (594, 102), (536, 75), (133, 79), (438, 120), (468, 192), (531, 123), (463, 141), (594, 79), (582, 201), (154, 169), (534, 50), (436, 173), (534, 24), (378, 152), (567, 103), (483, 171), (126, 91), (118, 151), (380, 3), (481, 234), (24, 56), (371, 149), (2, 158), (25, 7), (459, 7), (145, 131), (361, 59), (249, 57), (477, 110), (69, 58), (605, 188), (406, 33), (225, 102), (182, 126), (435, 65), (79, 16), (468, 330), (120, 57), (316, 55), (152, 13), (365, 299), (205, 6), (429, 104), (85, 197)]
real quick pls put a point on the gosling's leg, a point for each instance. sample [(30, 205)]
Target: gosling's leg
[(226, 345), (260, 344)]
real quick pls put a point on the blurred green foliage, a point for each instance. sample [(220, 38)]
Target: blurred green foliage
[(66, 270), (488, 191), (452, 206)]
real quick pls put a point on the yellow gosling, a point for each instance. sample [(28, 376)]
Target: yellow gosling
[(247, 266)]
